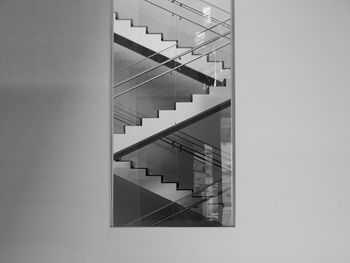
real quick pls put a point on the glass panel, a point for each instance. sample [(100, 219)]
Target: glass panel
[(172, 114)]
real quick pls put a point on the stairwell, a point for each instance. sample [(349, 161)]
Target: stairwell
[(184, 60)]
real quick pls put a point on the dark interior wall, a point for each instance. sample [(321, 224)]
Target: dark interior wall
[(132, 202)]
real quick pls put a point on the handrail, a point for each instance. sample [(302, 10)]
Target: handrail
[(176, 44), (180, 146), (197, 154), (189, 207), (180, 16), (194, 143), (193, 10), (140, 116), (176, 202), (128, 113), (136, 114), (174, 134), (223, 10), (171, 59), (168, 71), (125, 119), (216, 148)]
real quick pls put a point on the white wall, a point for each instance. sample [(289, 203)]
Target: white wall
[(293, 143)]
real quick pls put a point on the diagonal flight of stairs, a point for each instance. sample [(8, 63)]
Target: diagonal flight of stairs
[(170, 120), (196, 66), (154, 183)]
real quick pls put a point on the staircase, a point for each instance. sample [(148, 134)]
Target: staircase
[(153, 183), (171, 120), (185, 61), (182, 200), (138, 39), (196, 66)]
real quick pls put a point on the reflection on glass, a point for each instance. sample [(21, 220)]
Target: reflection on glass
[(172, 143)]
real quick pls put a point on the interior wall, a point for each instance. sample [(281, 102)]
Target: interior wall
[(293, 147)]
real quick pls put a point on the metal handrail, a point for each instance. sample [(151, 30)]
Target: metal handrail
[(193, 10), (180, 16), (140, 116), (126, 121), (173, 58), (193, 138), (175, 45), (196, 144), (128, 113), (197, 154), (168, 71), (190, 207)]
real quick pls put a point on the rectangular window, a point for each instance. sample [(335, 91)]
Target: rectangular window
[(172, 115)]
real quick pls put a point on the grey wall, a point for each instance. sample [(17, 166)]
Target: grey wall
[(293, 144)]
